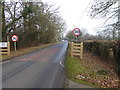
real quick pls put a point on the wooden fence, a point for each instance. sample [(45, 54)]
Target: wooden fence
[(77, 49), (5, 48)]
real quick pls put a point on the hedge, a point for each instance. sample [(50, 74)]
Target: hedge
[(98, 48), (102, 49)]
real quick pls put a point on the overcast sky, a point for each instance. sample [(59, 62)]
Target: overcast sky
[(72, 12)]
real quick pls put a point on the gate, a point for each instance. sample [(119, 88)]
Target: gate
[(5, 48), (77, 49)]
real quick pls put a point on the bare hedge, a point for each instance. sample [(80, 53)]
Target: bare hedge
[(102, 49)]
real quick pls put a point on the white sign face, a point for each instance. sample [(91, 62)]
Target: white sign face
[(14, 38), (76, 31), (3, 44)]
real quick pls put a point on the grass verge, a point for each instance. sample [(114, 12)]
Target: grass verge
[(74, 68)]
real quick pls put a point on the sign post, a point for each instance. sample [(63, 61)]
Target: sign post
[(15, 46), (76, 39), (15, 39), (76, 32)]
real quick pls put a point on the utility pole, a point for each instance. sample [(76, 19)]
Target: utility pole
[(118, 20)]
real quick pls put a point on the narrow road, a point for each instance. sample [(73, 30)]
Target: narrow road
[(43, 68)]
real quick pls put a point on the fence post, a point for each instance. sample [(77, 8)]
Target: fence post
[(81, 52), (71, 49), (8, 48)]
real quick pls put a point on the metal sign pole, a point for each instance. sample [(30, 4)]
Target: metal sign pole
[(76, 39), (15, 46)]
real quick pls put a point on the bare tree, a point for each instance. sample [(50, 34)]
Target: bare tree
[(109, 9)]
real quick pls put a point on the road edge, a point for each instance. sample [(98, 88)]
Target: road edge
[(23, 53)]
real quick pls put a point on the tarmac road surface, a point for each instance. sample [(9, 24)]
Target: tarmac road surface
[(43, 68)]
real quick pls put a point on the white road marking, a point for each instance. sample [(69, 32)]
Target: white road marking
[(61, 64), (4, 62)]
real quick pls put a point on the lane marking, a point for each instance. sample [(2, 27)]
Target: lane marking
[(4, 62), (61, 64)]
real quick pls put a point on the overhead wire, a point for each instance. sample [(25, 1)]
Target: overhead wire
[(83, 12)]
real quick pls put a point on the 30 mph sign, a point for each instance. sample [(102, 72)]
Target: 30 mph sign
[(14, 38), (76, 32)]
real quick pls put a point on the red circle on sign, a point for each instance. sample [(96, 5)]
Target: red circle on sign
[(14, 38), (76, 32)]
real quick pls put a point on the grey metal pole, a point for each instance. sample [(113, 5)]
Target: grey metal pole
[(76, 39), (15, 46)]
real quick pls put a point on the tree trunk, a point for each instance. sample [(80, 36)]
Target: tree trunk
[(14, 18), (3, 22)]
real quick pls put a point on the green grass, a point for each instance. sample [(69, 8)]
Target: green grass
[(74, 67)]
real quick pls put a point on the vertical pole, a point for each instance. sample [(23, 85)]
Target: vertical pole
[(73, 37), (76, 39), (8, 47), (81, 53), (15, 46), (71, 49), (7, 37), (118, 19)]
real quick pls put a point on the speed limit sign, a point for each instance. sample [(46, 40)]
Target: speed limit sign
[(14, 38), (76, 32)]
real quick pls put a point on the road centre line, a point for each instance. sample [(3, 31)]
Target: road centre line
[(61, 64)]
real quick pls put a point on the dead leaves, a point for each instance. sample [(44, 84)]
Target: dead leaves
[(102, 81), (94, 64)]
